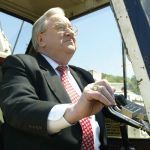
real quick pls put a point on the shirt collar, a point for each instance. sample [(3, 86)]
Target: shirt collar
[(53, 63)]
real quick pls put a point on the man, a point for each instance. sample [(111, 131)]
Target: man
[(40, 111)]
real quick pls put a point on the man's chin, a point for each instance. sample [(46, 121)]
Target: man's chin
[(71, 48)]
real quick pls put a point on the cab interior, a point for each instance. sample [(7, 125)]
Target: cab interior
[(29, 11)]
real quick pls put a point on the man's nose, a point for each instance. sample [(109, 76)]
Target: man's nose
[(70, 32)]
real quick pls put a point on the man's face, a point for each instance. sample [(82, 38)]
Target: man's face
[(58, 40)]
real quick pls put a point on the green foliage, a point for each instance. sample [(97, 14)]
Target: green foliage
[(112, 78), (132, 84)]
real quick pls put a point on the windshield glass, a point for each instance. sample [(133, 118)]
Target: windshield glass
[(17, 32)]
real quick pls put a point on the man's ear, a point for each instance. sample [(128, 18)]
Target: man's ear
[(41, 40)]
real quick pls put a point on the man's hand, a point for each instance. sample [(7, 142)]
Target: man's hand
[(94, 97)]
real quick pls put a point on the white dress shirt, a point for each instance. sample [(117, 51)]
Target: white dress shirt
[(56, 121)]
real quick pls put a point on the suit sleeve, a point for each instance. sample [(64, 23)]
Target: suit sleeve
[(19, 102)]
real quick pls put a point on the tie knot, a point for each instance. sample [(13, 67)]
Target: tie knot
[(62, 69)]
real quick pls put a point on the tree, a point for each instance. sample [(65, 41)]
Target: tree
[(133, 85)]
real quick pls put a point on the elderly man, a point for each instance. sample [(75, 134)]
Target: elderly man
[(48, 104)]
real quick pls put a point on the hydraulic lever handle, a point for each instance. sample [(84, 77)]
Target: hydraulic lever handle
[(115, 111)]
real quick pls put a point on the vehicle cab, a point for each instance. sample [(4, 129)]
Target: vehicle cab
[(114, 35)]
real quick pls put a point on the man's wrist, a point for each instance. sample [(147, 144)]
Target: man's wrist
[(70, 114), (56, 121)]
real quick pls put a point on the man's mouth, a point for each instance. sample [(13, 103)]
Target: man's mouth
[(69, 40)]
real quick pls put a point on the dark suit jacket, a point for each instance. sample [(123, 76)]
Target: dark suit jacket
[(29, 90)]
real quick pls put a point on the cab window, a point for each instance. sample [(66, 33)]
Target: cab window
[(100, 50), (16, 31)]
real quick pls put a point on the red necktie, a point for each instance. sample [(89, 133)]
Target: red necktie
[(87, 136)]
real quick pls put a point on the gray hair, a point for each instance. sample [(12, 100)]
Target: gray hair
[(39, 25)]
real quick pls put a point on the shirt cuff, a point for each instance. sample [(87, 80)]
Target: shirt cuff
[(56, 122)]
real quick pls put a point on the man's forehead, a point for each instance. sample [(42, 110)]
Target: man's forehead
[(57, 18)]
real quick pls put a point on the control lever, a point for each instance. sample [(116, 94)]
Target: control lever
[(114, 110)]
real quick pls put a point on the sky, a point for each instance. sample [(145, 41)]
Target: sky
[(99, 45)]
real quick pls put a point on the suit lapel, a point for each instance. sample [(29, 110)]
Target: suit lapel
[(76, 77), (53, 80)]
